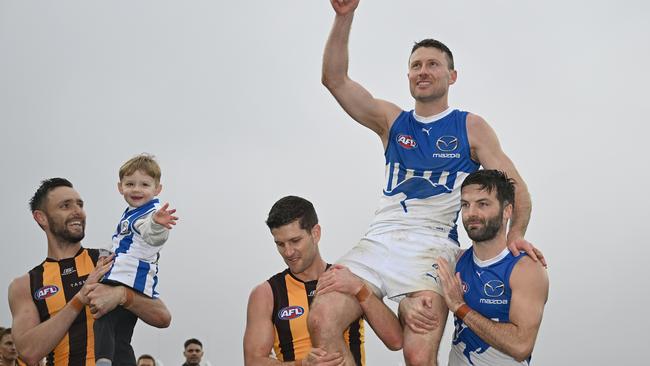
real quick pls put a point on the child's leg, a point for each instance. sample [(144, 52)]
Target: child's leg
[(104, 330), (124, 355)]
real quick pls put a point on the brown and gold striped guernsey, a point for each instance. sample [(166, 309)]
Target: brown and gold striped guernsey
[(53, 284), (291, 300)]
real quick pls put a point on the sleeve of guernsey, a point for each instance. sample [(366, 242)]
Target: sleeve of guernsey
[(152, 233)]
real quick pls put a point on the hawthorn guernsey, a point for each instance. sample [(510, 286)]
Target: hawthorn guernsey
[(290, 312)]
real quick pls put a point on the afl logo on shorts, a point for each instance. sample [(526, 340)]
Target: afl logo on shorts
[(45, 292), (406, 141), (290, 312), (124, 227)]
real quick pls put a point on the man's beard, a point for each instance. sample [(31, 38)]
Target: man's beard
[(61, 232), (489, 231)]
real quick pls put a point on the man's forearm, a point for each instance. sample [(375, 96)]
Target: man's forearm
[(383, 321), (38, 341), (335, 57), (522, 209), (505, 337), (151, 311)]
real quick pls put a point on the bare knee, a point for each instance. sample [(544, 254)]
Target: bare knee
[(420, 356), (321, 324)]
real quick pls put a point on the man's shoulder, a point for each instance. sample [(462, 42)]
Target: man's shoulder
[(527, 272)]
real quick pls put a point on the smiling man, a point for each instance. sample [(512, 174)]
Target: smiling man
[(429, 150), (497, 298), (278, 308), (55, 304)]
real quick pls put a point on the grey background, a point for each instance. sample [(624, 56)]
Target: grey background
[(227, 95)]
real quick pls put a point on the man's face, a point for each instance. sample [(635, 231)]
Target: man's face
[(429, 75), (146, 362), (138, 188), (64, 215), (7, 348), (193, 353), (298, 247), (483, 216)]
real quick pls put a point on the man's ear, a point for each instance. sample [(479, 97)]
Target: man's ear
[(315, 233), (40, 218)]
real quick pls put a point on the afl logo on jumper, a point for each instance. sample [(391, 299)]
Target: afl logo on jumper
[(406, 141), (290, 312), (465, 287), (124, 227), (45, 292), (447, 143), (494, 288)]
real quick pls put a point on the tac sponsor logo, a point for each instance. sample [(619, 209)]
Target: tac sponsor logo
[(406, 141), (45, 292), (124, 227), (290, 312), (494, 301), (447, 143), (494, 288)]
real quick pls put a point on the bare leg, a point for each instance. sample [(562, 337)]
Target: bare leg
[(330, 315), (422, 349)]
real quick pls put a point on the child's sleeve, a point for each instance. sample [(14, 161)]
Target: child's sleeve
[(152, 233)]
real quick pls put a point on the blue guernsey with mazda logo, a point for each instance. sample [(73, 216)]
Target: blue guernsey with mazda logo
[(486, 287), (426, 162)]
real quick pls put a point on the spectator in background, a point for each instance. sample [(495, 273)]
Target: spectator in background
[(146, 360), (193, 352)]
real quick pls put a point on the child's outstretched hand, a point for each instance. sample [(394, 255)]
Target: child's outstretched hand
[(165, 217)]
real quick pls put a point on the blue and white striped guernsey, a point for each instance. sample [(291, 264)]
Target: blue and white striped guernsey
[(487, 291), (426, 163), (136, 262)]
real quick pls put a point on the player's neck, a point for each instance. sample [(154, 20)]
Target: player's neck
[(485, 250), (432, 107), (313, 272), (58, 250)]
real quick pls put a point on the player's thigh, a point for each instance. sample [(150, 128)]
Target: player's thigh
[(429, 339)]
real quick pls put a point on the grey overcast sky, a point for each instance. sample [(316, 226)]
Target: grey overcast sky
[(227, 95)]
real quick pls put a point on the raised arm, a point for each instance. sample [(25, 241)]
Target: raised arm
[(486, 150), (380, 317), (529, 285), (376, 114)]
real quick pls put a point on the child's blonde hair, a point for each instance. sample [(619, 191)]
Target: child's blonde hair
[(143, 162)]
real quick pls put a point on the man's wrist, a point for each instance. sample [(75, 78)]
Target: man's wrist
[(362, 294), (127, 297), (462, 311), (76, 303)]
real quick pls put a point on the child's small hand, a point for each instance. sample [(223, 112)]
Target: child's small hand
[(164, 217)]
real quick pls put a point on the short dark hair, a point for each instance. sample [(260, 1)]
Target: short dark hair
[(192, 341), (38, 200), (488, 180), (4, 332), (432, 43), (289, 209), (146, 357)]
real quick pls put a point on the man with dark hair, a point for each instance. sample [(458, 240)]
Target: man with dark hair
[(8, 354), (146, 360), (54, 305), (278, 308), (429, 151), (497, 298), (193, 352)]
